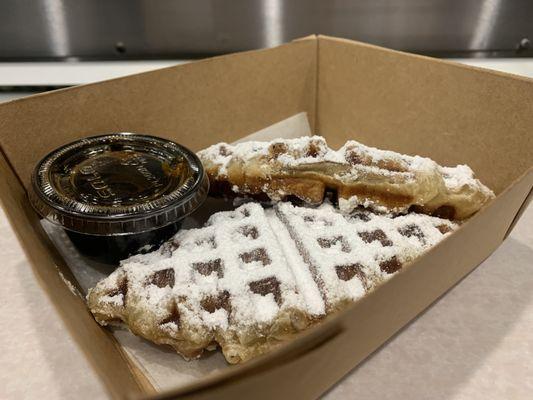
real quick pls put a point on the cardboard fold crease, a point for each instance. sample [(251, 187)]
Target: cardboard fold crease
[(416, 105)]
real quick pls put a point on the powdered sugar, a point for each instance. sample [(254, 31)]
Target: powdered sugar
[(356, 248), (70, 286), (222, 153), (312, 298), (311, 150), (305, 167), (457, 177), (236, 278), (346, 206), (307, 150), (461, 179), (235, 250), (116, 300)]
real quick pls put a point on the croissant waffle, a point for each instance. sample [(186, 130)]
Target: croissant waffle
[(253, 278), (306, 167)]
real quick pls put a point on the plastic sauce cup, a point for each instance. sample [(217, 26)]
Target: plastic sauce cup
[(118, 194)]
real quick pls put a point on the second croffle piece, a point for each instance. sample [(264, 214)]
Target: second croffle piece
[(382, 180)]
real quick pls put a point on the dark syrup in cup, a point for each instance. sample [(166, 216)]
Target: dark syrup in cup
[(118, 194)]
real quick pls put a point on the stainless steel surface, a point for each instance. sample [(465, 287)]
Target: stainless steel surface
[(118, 29)]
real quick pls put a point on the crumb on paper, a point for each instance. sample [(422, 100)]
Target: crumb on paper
[(69, 284)]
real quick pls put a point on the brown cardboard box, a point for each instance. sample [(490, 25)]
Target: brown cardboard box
[(451, 113)]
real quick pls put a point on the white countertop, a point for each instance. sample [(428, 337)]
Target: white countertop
[(75, 73), (475, 343)]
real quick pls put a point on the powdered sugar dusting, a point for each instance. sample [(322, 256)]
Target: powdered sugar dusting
[(222, 153), (209, 261), (312, 297), (356, 248), (250, 272), (305, 167), (461, 178), (69, 284), (117, 300), (346, 206), (312, 150), (458, 177)]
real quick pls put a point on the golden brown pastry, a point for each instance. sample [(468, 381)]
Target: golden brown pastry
[(253, 278), (306, 167)]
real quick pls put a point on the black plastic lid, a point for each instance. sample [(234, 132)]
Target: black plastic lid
[(117, 184)]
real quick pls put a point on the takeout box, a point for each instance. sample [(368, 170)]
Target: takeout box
[(416, 105)]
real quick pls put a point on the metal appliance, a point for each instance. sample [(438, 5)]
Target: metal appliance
[(133, 29)]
